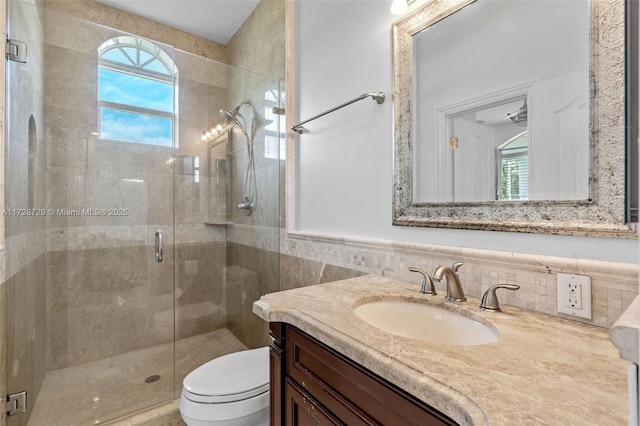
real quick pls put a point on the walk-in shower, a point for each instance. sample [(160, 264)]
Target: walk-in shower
[(103, 145)]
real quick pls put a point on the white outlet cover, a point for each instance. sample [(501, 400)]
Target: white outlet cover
[(582, 281)]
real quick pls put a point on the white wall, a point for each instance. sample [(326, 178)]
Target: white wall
[(344, 163)]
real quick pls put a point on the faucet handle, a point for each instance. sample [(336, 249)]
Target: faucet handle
[(456, 266), (427, 282), (490, 299)]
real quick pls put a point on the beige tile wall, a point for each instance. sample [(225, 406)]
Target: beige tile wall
[(614, 285), (252, 240), (259, 45), (99, 13), (314, 259)]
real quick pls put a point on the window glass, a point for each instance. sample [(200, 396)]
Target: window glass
[(156, 66), (144, 56), (131, 54), (115, 86), (514, 168), (136, 92), (135, 127), (115, 55)]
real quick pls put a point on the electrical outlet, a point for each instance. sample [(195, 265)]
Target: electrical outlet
[(574, 295)]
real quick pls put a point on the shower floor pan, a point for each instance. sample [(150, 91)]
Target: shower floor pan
[(96, 392)]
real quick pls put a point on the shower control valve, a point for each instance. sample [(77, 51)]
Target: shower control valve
[(247, 204)]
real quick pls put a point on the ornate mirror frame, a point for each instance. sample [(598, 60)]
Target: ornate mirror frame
[(603, 214)]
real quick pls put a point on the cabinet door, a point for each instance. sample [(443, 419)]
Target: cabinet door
[(349, 391), (302, 410)]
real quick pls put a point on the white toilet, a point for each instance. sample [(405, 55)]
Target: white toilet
[(232, 390)]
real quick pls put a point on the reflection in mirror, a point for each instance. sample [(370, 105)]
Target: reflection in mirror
[(525, 68), (218, 169), (510, 116), (188, 165), (489, 152)]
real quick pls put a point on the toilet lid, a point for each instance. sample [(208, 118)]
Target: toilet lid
[(231, 377)]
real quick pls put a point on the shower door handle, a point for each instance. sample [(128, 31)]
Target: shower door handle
[(158, 246)]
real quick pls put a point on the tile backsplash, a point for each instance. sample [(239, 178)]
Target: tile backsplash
[(308, 259)]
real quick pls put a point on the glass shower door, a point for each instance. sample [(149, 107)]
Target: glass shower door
[(89, 203)]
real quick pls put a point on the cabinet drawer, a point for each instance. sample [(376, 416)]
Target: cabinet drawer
[(303, 410), (353, 394)]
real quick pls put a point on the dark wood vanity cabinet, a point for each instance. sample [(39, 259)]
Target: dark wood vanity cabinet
[(312, 384)]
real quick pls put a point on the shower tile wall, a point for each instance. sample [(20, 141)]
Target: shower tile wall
[(259, 45), (96, 309), (259, 48), (245, 284), (101, 14), (252, 240)]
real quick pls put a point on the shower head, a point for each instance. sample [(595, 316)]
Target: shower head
[(228, 115), (232, 117)]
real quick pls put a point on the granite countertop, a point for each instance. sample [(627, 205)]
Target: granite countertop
[(543, 370), (624, 333)]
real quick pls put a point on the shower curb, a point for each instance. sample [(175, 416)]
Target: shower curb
[(145, 415)]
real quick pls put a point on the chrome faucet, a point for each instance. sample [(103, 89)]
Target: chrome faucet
[(454, 288)]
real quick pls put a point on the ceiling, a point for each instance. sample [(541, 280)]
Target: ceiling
[(216, 20)]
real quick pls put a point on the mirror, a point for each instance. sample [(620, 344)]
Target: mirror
[(510, 116)]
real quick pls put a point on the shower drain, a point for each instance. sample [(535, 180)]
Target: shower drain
[(152, 379)]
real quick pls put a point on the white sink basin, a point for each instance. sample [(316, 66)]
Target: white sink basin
[(426, 322)]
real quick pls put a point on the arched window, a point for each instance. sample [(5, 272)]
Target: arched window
[(136, 92)]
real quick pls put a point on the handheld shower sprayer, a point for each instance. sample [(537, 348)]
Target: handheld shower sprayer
[(249, 197)]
